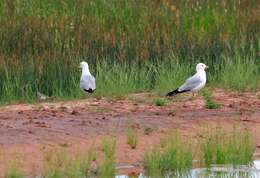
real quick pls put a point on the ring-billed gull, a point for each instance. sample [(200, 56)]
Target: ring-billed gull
[(87, 81), (193, 83)]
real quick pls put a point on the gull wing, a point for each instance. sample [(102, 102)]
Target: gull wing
[(191, 83), (88, 82)]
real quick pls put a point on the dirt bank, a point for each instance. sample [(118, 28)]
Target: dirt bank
[(27, 131)]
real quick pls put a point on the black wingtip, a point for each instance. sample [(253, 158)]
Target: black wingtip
[(172, 93), (175, 92)]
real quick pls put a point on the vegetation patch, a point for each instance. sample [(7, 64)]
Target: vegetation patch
[(106, 169), (132, 137), (234, 147), (209, 101), (173, 158), (139, 46), (159, 102), (59, 164)]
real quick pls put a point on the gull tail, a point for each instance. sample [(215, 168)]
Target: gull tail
[(89, 90), (175, 92)]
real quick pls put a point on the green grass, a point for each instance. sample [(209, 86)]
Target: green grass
[(159, 102), (234, 147), (60, 164), (132, 137), (176, 153), (106, 169), (14, 172), (174, 158), (119, 80), (241, 75), (131, 46), (209, 101)]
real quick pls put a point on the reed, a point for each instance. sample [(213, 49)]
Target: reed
[(43, 41)]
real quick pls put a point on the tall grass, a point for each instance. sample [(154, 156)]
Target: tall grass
[(60, 164), (234, 147), (173, 159), (106, 168), (241, 74), (132, 137), (14, 172), (130, 45), (209, 101)]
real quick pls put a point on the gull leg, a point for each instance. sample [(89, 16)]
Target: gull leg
[(191, 96), (196, 94)]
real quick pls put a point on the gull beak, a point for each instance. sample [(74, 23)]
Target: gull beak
[(206, 67)]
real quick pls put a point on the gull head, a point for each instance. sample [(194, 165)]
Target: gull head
[(201, 66), (83, 65)]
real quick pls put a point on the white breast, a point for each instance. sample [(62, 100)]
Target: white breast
[(202, 75)]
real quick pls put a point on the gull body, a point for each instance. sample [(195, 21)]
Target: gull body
[(193, 83), (87, 81)]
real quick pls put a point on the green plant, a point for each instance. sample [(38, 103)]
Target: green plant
[(239, 74), (159, 102), (174, 158), (132, 138), (59, 164), (152, 163), (106, 169), (14, 172), (210, 103), (227, 147), (131, 46)]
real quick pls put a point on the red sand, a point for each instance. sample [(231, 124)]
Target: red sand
[(27, 131)]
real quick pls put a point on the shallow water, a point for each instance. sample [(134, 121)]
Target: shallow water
[(219, 171)]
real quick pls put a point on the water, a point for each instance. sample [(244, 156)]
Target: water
[(219, 171)]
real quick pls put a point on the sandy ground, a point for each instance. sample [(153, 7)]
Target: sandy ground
[(28, 131)]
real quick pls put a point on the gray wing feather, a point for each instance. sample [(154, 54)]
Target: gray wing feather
[(191, 83), (87, 82)]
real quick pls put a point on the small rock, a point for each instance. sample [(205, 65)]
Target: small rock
[(245, 119), (148, 130), (231, 105), (63, 108), (184, 106), (104, 118), (64, 144), (133, 174), (9, 127), (44, 108), (163, 130), (135, 126), (171, 114), (157, 113), (74, 112)]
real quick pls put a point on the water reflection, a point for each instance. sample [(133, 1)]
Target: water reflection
[(217, 171)]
